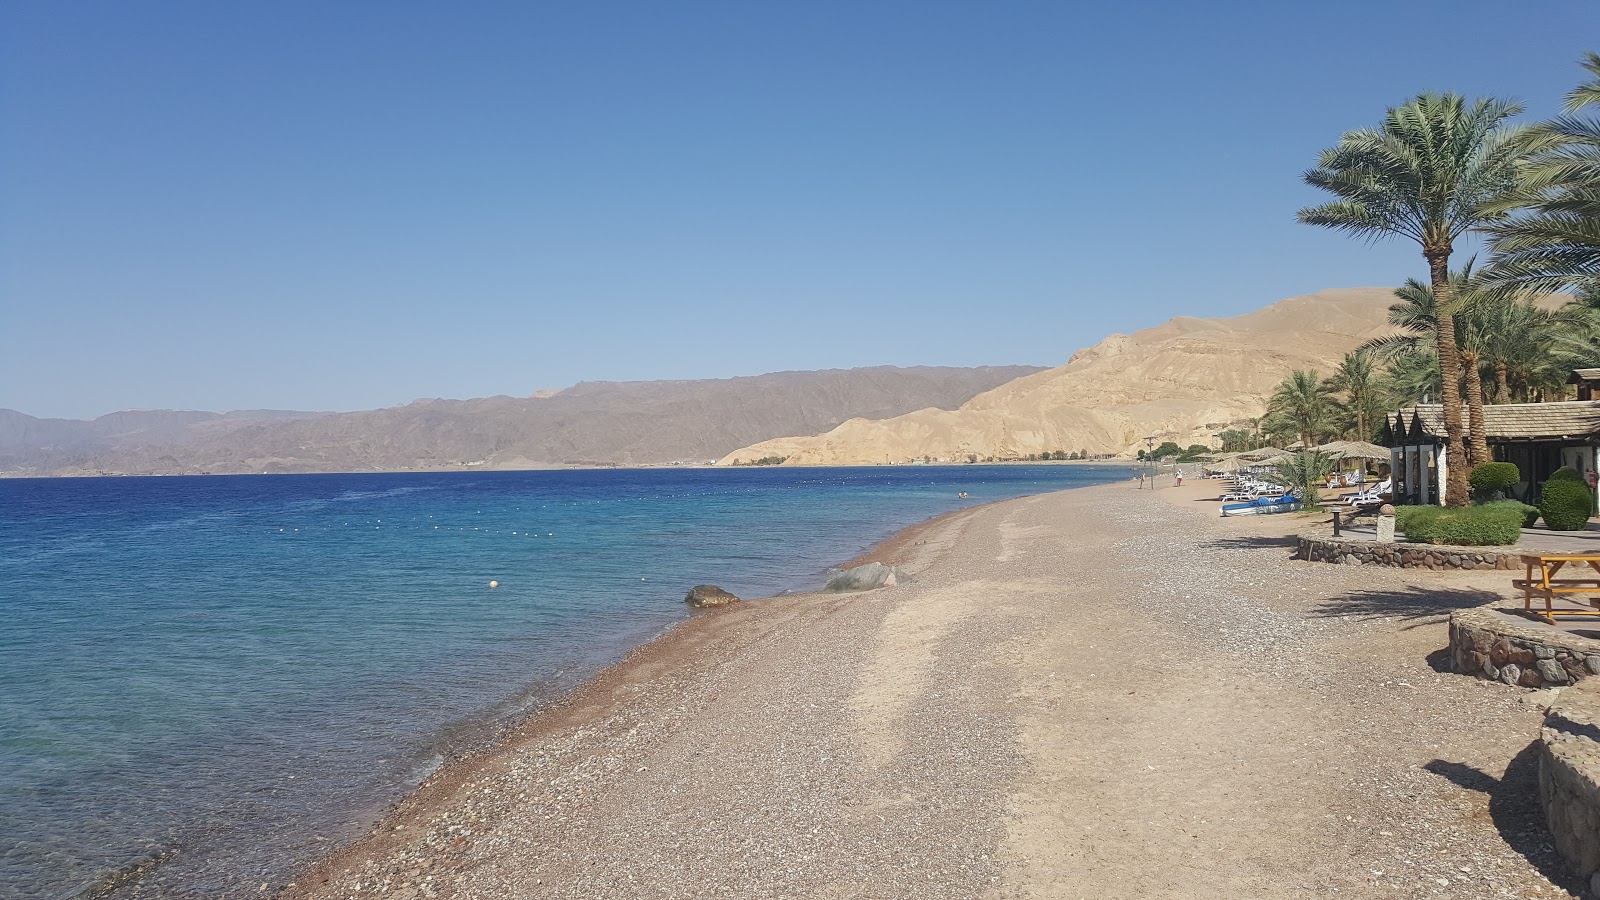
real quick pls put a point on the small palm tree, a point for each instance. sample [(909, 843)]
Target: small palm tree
[(1305, 471), (1436, 168), (1357, 379), (1555, 242), (1411, 376), (1301, 400)]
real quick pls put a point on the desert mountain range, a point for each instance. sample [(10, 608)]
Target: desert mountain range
[(1184, 381), (624, 423)]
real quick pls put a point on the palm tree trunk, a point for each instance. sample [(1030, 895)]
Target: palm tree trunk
[(1502, 391), (1478, 448), (1456, 492)]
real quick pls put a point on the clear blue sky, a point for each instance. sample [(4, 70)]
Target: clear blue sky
[(350, 205)]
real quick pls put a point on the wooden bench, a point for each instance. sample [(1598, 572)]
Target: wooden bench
[(1541, 579)]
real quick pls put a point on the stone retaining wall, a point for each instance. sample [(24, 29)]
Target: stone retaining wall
[(1569, 778), (1491, 645), (1403, 556)]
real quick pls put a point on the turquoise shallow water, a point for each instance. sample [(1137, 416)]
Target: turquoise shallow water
[(249, 669)]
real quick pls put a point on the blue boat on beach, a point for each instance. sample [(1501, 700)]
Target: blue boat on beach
[(1261, 506)]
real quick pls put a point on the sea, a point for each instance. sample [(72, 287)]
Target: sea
[(207, 682)]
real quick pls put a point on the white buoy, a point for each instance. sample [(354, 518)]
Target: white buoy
[(494, 584)]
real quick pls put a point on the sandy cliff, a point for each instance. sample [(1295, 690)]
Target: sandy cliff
[(1183, 380)]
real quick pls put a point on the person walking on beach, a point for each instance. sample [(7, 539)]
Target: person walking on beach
[(1179, 474)]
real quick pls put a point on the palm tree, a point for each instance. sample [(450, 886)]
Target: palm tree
[(1525, 346), (1301, 401), (1555, 242), (1490, 327), (1235, 440), (1304, 471), (1417, 317), (1411, 377), (1358, 381), (1436, 168)]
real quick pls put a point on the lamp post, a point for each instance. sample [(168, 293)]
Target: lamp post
[(1149, 458)]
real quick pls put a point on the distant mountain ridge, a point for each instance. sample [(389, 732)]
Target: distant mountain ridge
[(623, 423), (30, 442)]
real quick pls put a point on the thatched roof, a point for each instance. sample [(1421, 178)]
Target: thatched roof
[(1568, 420)]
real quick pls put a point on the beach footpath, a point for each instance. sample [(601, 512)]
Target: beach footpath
[(1099, 693)]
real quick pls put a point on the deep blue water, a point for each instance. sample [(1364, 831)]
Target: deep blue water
[(250, 669)]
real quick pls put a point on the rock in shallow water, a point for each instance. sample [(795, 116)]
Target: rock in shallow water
[(702, 596), (865, 578)]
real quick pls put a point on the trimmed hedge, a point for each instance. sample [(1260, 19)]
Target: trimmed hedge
[(1529, 514), (1492, 479), (1416, 521), (1568, 473), (1565, 504), (1488, 525)]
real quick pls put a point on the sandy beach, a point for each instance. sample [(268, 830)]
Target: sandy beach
[(1103, 692)]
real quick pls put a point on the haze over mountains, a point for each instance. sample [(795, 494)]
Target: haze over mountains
[(1184, 380), (625, 423)]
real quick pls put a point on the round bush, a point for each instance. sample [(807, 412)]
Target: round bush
[(1566, 473), (1565, 504), (1491, 479)]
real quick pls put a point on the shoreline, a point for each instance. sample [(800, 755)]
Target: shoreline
[(562, 467), (601, 695)]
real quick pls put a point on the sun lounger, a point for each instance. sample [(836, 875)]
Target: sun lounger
[(1374, 496)]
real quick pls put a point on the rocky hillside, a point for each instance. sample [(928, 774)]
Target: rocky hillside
[(628, 423), (28, 443), (1184, 380)]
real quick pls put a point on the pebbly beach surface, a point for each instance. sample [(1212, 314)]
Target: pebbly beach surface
[(1101, 692)]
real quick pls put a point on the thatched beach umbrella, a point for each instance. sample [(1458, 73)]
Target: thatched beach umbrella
[(1354, 450), (1226, 463), (1265, 454)]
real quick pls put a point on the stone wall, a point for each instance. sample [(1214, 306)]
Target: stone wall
[(1569, 779), (1403, 556), (1492, 645)]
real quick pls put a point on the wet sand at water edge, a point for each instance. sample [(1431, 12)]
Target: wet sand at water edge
[(1097, 693)]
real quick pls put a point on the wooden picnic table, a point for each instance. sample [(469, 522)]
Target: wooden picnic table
[(1547, 585)]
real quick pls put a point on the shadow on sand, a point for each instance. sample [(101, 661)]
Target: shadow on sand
[(1251, 543), (1414, 603), (1514, 809)]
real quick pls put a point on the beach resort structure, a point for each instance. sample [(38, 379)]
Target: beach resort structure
[(1538, 437)]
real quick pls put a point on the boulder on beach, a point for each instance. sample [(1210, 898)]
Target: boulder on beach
[(702, 596), (865, 578)]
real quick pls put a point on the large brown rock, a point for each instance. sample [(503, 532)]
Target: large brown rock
[(704, 596)]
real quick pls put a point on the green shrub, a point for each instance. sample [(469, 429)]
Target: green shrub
[(1529, 514), (1490, 480), (1568, 473), (1417, 521), (1565, 504), (1489, 525)]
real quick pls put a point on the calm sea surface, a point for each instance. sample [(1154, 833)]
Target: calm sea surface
[(249, 669)]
